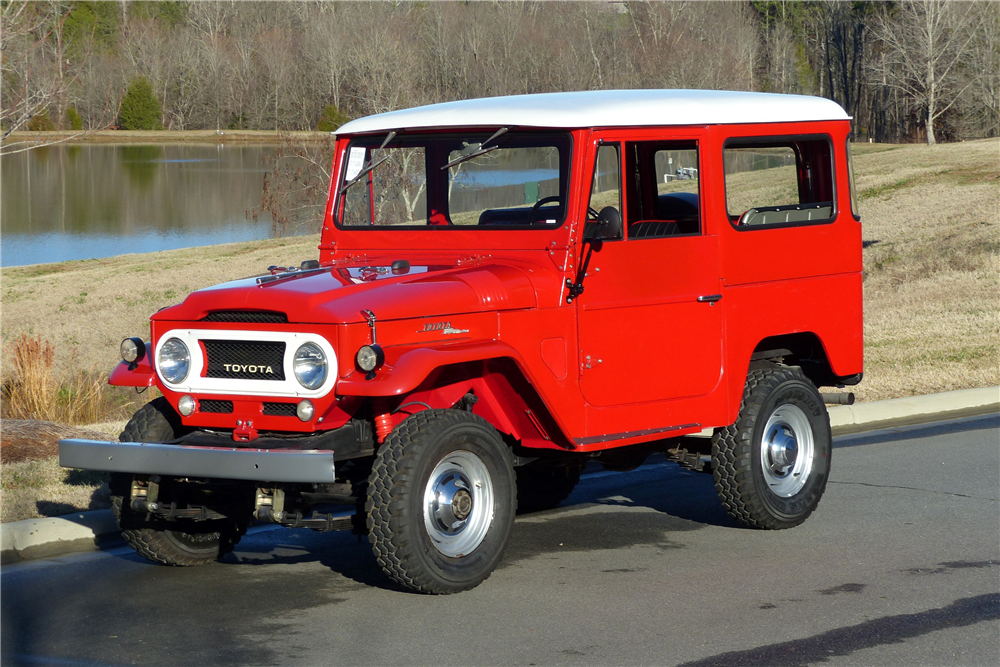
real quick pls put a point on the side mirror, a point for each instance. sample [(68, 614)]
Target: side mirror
[(610, 223)]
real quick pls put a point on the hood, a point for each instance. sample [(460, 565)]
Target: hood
[(338, 295)]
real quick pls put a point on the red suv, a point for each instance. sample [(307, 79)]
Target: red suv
[(506, 289)]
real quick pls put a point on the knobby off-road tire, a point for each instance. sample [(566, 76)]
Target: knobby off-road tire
[(155, 539), (772, 465), (543, 488), (441, 502)]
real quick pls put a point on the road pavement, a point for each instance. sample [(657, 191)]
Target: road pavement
[(900, 565)]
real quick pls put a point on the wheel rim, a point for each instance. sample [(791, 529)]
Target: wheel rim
[(458, 504), (787, 450)]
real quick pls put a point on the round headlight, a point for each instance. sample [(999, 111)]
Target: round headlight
[(370, 357), (174, 361), (309, 366), (133, 350)]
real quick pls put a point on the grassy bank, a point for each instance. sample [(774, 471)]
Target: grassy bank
[(931, 220), (162, 137)]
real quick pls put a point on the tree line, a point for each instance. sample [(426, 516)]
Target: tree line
[(906, 70)]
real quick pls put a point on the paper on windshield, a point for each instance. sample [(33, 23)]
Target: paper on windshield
[(355, 161)]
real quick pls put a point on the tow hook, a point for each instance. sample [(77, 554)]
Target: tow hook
[(244, 431)]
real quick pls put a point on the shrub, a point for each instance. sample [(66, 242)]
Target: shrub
[(73, 118), (34, 392), (41, 123), (331, 119), (140, 109)]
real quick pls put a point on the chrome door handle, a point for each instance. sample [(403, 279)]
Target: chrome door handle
[(711, 298)]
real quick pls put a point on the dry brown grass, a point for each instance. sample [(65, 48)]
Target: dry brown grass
[(35, 489), (85, 308), (931, 220), (31, 389)]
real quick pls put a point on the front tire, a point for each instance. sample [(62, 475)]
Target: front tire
[(157, 540), (772, 465), (441, 502)]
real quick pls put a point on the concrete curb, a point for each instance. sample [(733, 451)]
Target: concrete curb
[(845, 419), (43, 538), (87, 531)]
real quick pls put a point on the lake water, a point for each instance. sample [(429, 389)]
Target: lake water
[(66, 202)]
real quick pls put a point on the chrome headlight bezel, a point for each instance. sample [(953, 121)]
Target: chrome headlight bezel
[(173, 361), (307, 358)]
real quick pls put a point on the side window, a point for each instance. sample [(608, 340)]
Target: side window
[(665, 199), (779, 181), (606, 188)]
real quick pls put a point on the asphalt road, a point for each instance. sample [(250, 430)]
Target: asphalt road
[(900, 565)]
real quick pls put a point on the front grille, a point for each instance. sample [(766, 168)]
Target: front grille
[(280, 409), (247, 317), (245, 359), (219, 407)]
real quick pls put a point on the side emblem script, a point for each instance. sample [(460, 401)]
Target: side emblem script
[(443, 327)]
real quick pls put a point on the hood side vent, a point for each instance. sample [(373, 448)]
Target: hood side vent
[(247, 316)]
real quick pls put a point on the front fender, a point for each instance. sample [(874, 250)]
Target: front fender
[(141, 376), (406, 372)]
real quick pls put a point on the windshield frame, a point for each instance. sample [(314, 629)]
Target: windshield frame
[(560, 139)]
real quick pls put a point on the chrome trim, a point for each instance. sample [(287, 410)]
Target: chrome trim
[(580, 442)]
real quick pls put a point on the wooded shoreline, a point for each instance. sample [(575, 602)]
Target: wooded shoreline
[(163, 137)]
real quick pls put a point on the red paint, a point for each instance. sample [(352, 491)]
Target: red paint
[(635, 352)]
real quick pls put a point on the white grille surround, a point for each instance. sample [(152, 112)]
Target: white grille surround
[(196, 383)]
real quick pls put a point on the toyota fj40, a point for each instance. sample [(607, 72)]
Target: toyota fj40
[(507, 289)]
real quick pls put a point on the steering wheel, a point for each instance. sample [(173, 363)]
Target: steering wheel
[(538, 205)]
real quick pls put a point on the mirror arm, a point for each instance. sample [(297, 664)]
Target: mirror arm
[(576, 287)]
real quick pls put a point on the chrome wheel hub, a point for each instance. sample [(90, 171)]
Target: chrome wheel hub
[(787, 450), (458, 504)]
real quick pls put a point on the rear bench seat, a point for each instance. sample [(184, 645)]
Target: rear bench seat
[(774, 215)]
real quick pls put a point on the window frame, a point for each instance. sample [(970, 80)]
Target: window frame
[(374, 140), (780, 141), (658, 145)]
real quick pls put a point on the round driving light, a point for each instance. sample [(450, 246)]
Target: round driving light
[(174, 361), (185, 406), (133, 350), (309, 366), (370, 357), (305, 410)]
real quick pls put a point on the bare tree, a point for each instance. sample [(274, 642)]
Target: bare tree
[(34, 70), (925, 43)]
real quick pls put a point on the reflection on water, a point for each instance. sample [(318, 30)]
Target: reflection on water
[(76, 202)]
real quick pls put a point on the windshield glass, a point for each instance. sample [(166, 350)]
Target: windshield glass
[(492, 180)]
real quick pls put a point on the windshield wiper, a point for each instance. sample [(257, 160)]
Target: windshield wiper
[(371, 164), (479, 151)]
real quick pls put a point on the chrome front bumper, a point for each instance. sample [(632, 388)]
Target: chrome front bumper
[(263, 465)]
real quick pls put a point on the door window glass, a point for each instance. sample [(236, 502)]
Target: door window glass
[(606, 188), (666, 198)]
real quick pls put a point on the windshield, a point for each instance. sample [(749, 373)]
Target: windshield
[(496, 180)]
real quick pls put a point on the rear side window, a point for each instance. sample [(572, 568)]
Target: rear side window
[(779, 181)]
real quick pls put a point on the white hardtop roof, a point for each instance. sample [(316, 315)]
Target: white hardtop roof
[(607, 108)]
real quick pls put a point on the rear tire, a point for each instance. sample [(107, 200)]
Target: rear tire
[(772, 465), (441, 502), (158, 540)]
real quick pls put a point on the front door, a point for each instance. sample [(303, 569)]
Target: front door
[(650, 325)]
